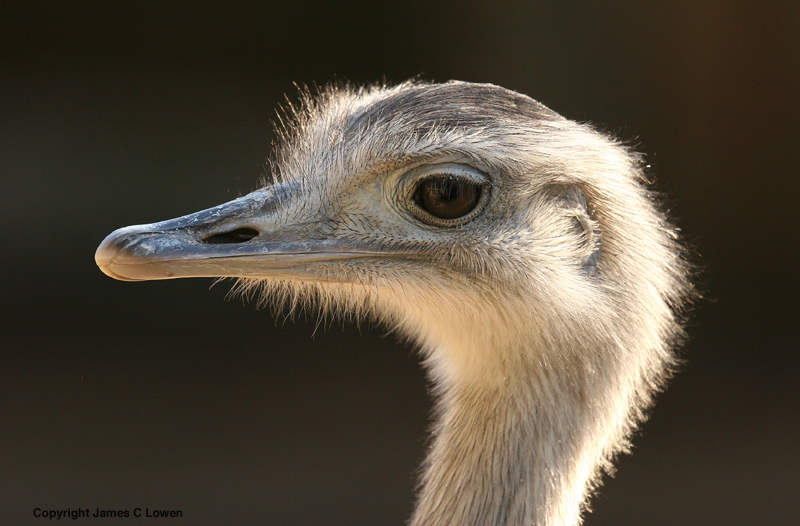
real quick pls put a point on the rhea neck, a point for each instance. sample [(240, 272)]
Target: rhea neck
[(510, 447)]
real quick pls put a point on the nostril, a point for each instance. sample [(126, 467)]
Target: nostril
[(240, 235)]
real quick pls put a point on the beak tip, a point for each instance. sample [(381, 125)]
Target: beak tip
[(109, 249)]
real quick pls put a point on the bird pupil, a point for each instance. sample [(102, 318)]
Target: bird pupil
[(447, 197)]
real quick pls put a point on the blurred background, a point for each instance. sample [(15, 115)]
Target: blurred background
[(164, 394)]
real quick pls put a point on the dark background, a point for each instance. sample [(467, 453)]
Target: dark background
[(163, 394)]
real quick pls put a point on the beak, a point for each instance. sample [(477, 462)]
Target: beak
[(241, 238)]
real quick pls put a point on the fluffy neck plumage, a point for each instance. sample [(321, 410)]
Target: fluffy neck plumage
[(527, 446), (509, 454)]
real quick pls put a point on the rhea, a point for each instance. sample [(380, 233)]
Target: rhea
[(522, 252)]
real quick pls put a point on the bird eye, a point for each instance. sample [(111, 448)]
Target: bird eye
[(447, 196)]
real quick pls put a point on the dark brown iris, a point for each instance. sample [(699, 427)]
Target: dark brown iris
[(447, 196)]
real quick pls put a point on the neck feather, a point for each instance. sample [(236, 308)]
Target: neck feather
[(523, 450)]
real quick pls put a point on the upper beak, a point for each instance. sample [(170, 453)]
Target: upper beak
[(240, 238)]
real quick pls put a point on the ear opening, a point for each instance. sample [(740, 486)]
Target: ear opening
[(572, 200)]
